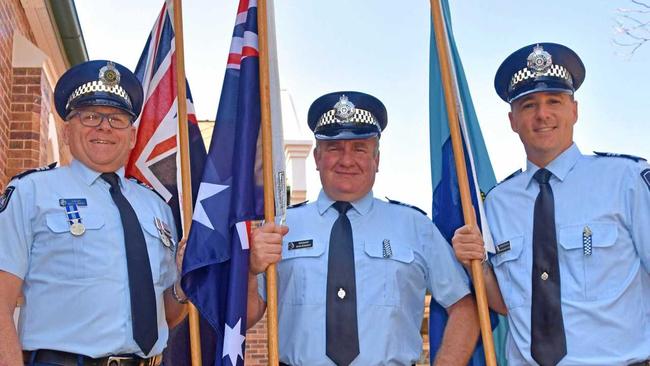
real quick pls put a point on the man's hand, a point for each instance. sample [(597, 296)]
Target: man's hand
[(468, 245), (266, 247), (180, 254)]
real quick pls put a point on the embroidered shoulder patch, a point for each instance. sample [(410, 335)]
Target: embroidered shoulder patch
[(646, 177), (407, 205), (145, 185), (4, 198)]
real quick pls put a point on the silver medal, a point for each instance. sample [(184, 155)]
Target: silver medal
[(77, 229)]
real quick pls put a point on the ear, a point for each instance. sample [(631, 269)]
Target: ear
[(575, 112), (316, 157), (513, 123), (66, 132), (377, 161), (133, 136)]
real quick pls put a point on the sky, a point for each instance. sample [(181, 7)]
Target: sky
[(382, 47)]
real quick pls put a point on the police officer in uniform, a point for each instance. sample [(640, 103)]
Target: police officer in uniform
[(92, 252), (352, 269), (573, 242)]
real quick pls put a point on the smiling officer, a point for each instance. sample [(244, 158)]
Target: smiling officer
[(92, 251)]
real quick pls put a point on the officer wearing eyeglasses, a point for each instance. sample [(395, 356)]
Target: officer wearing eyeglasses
[(93, 253)]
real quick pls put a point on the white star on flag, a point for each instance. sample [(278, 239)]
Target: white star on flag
[(206, 190), (232, 342)]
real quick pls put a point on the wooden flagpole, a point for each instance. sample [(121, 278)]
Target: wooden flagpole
[(461, 171), (267, 163), (186, 175)]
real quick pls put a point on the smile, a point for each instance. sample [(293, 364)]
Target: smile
[(102, 142)]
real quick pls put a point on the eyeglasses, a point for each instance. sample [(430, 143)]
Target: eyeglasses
[(94, 119)]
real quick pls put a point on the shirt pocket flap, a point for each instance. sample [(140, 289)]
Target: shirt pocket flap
[(516, 247), (315, 250), (603, 234), (387, 250), (59, 223)]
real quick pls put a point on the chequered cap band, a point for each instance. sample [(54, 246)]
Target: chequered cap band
[(525, 74), (360, 116), (98, 86)]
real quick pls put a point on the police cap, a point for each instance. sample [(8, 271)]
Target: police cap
[(539, 67), (347, 115), (98, 83)]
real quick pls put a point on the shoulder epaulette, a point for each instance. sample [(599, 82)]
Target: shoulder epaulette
[(514, 174), (30, 171), (406, 205), (146, 186), (298, 204), (615, 155)]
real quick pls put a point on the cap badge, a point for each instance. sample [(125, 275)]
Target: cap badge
[(344, 109), (539, 60), (109, 75)]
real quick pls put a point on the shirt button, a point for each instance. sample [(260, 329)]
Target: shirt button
[(341, 293), (544, 276)]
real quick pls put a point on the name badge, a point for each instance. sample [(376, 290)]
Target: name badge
[(503, 247), (73, 201), (300, 244)]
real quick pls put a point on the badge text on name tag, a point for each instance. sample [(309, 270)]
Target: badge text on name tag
[(301, 244)]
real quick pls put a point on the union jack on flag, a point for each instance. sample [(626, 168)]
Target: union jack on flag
[(154, 159), (215, 267)]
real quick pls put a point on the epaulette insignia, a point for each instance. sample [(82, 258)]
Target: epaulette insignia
[(4, 198), (615, 155), (30, 171), (147, 186), (407, 205), (298, 204)]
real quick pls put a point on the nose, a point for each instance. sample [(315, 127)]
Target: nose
[(103, 123), (346, 157), (543, 112)]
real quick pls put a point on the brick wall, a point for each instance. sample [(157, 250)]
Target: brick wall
[(12, 19), (28, 125), (256, 350)]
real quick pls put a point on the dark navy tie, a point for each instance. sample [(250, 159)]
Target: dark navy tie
[(342, 335), (143, 298), (548, 342)]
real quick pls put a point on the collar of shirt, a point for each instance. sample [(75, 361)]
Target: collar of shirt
[(361, 206), (560, 166), (89, 176)]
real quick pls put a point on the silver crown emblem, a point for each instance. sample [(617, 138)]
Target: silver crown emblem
[(539, 60), (344, 108), (109, 75)]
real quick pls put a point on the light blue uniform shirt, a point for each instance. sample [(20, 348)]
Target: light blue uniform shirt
[(76, 288), (605, 294), (390, 291)]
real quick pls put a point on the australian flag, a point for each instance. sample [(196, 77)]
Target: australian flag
[(155, 160), (215, 268), (447, 210)]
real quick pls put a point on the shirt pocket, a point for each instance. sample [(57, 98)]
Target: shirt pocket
[(302, 275), (389, 265), (71, 256), (590, 274), (513, 273)]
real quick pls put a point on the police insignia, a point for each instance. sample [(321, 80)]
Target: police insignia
[(344, 109), (644, 174), (539, 60), (4, 198), (109, 75)]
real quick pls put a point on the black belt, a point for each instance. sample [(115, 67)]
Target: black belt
[(71, 359)]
